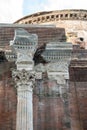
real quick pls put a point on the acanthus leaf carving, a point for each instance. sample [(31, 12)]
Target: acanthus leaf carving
[(23, 76)]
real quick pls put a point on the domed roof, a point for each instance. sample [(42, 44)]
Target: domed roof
[(42, 17)]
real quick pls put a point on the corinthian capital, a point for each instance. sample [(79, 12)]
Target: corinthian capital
[(23, 76)]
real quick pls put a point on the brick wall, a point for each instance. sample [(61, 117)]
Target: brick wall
[(7, 98), (78, 90), (48, 107), (45, 34)]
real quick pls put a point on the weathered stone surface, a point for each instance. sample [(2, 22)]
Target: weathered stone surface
[(24, 45)]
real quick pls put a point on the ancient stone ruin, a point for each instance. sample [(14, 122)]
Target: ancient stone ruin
[(43, 72)]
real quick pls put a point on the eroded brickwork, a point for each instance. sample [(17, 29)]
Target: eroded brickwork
[(49, 109), (8, 101), (78, 90), (45, 34)]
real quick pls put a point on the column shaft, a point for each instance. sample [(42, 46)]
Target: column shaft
[(24, 109)]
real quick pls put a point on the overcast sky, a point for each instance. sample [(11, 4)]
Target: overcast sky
[(12, 10)]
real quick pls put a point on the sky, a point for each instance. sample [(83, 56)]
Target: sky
[(12, 10)]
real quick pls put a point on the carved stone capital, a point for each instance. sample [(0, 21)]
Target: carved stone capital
[(23, 77)]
